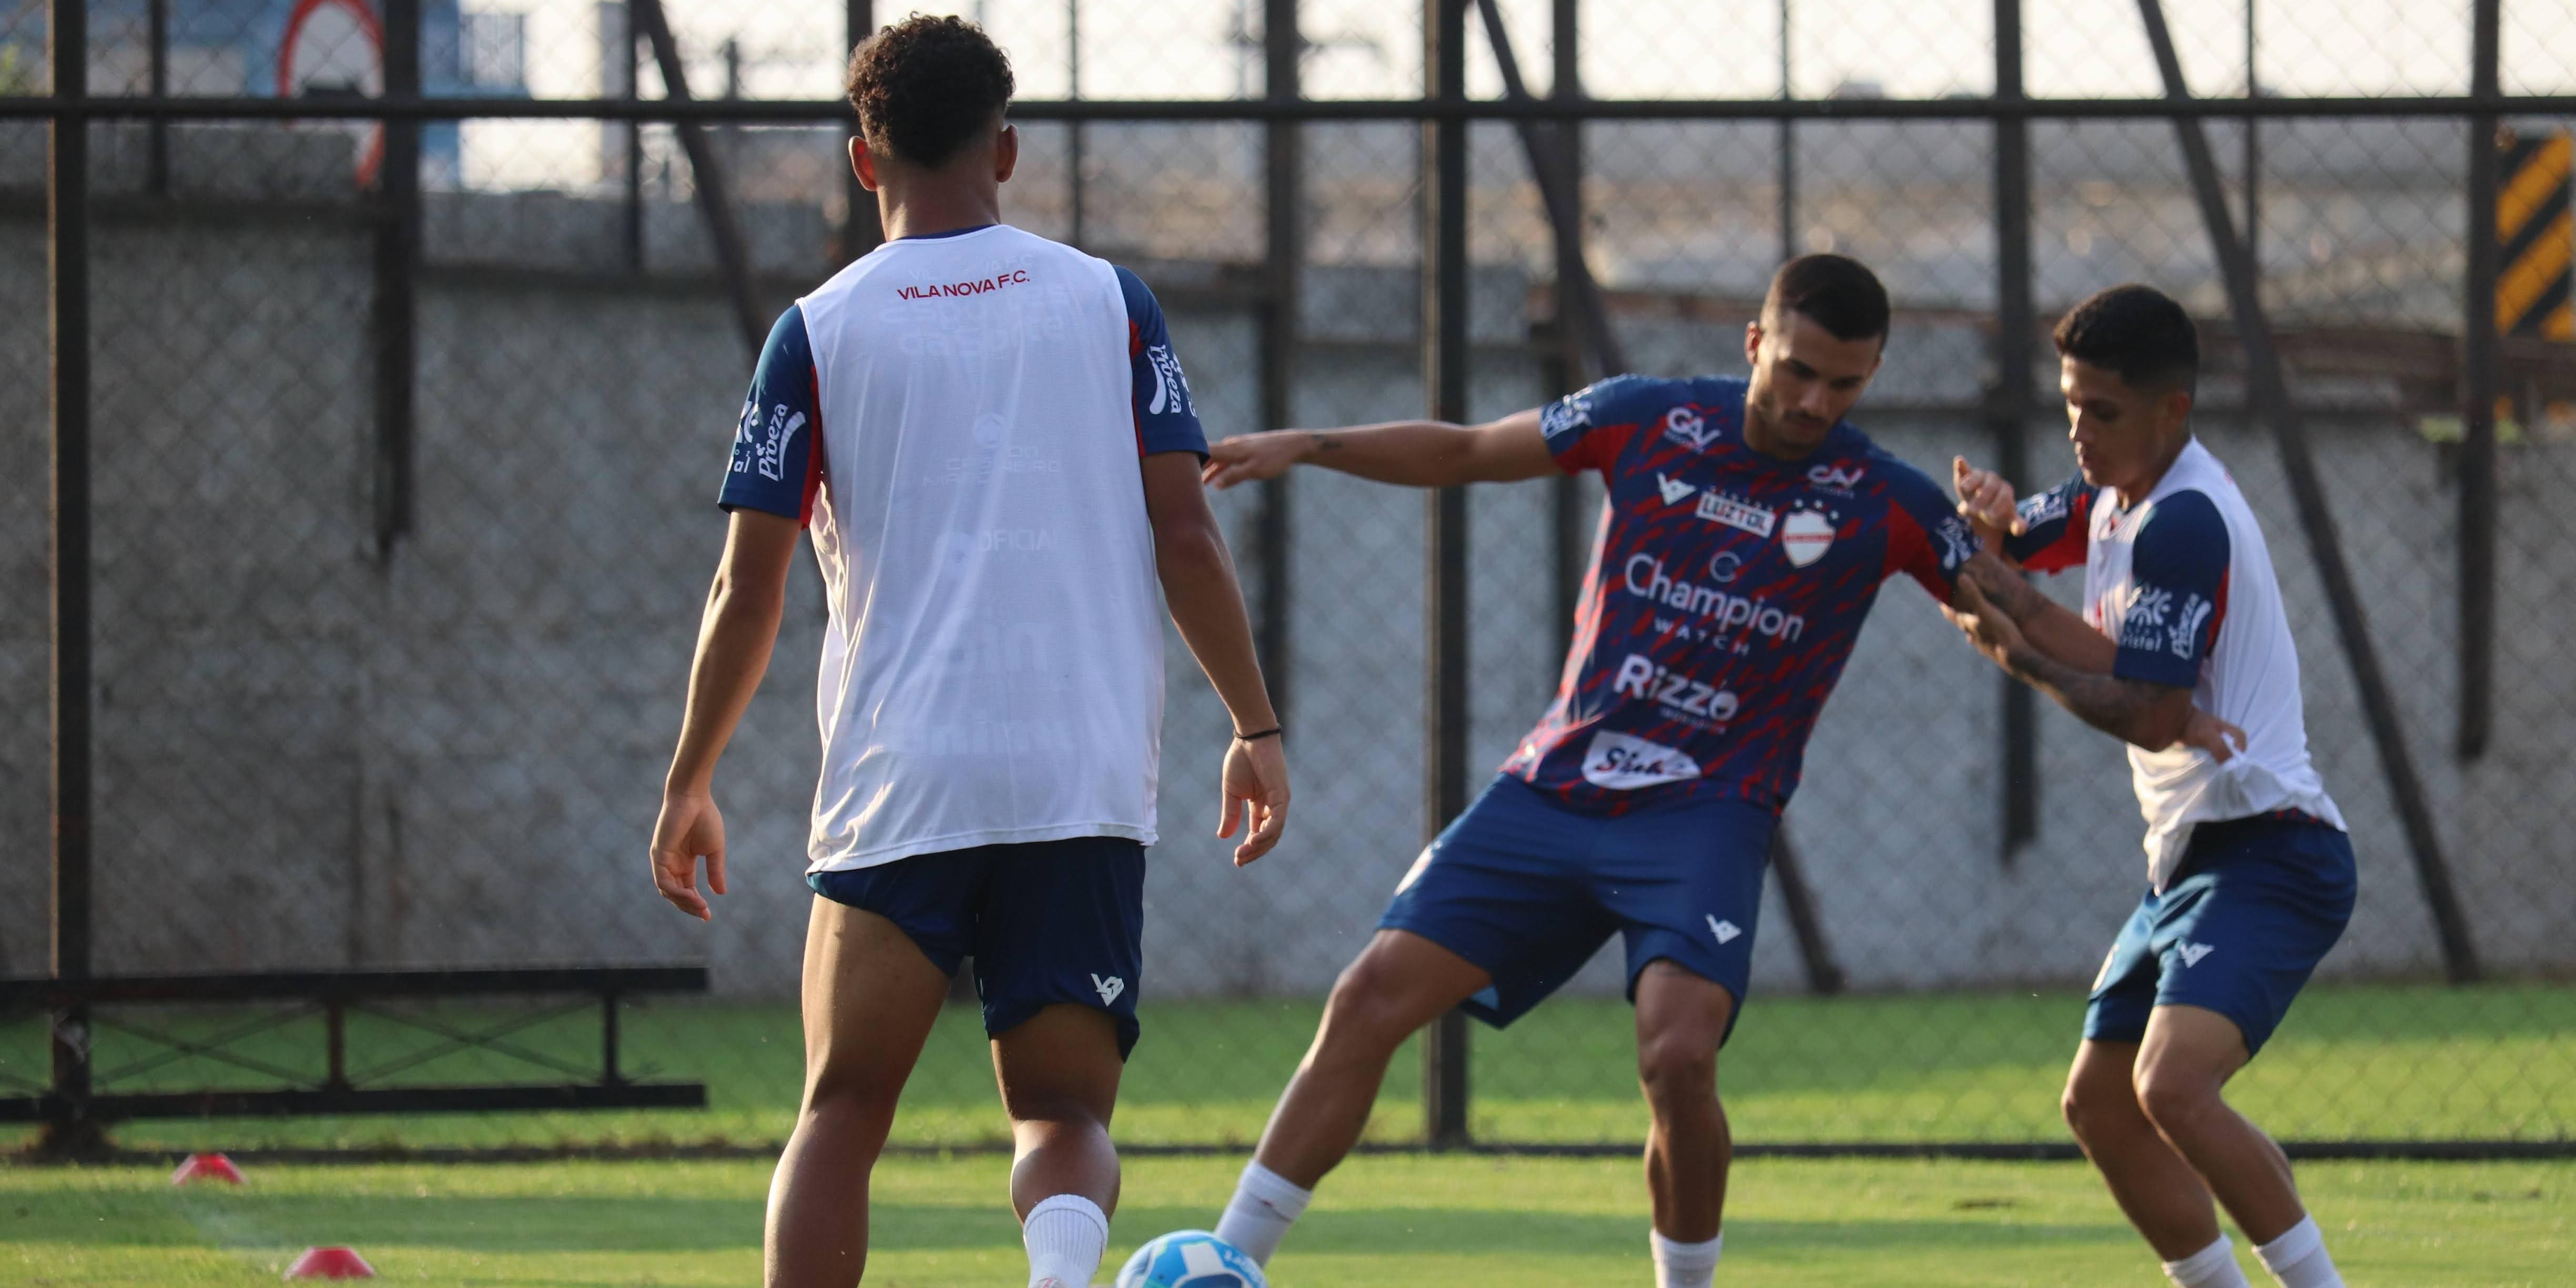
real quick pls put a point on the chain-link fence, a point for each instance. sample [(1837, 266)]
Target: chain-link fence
[(401, 514)]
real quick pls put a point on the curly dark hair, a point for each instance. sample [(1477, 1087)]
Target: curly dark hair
[(2137, 331), (924, 86)]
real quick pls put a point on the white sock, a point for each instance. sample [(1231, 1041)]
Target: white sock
[(1684, 1265), (2298, 1258), (2211, 1267), (1065, 1235), (1265, 1204)]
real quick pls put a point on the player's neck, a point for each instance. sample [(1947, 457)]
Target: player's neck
[(931, 208), (1764, 437), (2132, 493)]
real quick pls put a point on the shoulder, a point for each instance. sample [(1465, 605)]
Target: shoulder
[(1617, 400), (1892, 474), (2186, 517)]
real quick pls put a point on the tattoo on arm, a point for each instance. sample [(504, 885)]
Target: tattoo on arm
[(1324, 442), (2118, 707), (2002, 586)]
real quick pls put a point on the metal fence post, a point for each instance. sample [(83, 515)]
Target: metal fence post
[(2015, 319), (69, 1129), (1565, 494), (706, 178), (1444, 378), (397, 260), (1284, 200), (2271, 391), (2477, 458), (860, 229)]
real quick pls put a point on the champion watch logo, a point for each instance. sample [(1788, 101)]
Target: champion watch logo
[(1109, 988), (1726, 931), (2192, 953), (1675, 491)]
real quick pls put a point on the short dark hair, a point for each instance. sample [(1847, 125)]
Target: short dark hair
[(2137, 331), (1836, 292), (924, 86)]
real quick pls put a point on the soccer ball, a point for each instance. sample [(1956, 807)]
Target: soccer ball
[(1191, 1259)]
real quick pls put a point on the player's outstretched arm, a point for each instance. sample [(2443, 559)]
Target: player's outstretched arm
[(2146, 714), (735, 635), (1207, 605), (1414, 453)]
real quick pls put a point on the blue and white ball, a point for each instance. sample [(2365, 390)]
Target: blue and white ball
[(1191, 1259)]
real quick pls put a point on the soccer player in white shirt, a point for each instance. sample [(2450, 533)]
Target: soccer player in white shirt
[(2250, 874), (997, 456)]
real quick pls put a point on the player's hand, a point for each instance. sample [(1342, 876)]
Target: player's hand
[(1255, 788), (1986, 500), (1990, 629), (2210, 734), (1250, 458), (689, 828)]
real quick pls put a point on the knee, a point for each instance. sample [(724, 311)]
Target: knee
[(2091, 1105), (2174, 1099), (845, 1082), (1677, 1068), (1366, 1012)]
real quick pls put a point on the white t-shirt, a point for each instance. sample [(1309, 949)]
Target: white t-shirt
[(960, 419), (2183, 583)]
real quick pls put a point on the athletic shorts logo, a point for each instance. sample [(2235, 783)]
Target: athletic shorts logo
[(1620, 762), (1734, 513), (1726, 931), (2191, 953), (1805, 536), (1688, 428), (1109, 988), (1675, 491)]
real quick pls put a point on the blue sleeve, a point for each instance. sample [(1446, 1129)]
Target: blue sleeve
[(776, 468), (1586, 429), (1165, 420), (1926, 538), (2056, 525), (2178, 592)]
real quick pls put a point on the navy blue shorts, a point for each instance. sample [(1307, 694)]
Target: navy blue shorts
[(1046, 922), (2257, 904), (1528, 890)]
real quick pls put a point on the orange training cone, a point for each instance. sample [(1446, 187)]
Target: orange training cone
[(330, 1263), (207, 1167)]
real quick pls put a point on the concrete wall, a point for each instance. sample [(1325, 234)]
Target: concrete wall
[(311, 757)]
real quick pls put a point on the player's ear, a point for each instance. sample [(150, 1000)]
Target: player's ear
[(863, 163), (1006, 152), (2176, 407), (1753, 343)]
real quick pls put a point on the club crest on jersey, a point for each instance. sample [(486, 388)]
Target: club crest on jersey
[(1735, 513), (1805, 536), (1687, 427), (1620, 762)]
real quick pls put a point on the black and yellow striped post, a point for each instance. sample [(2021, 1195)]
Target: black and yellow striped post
[(2536, 237)]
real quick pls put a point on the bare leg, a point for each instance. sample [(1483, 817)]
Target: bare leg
[(1681, 1018), (2188, 1056), (1059, 1074), (869, 1000), (1399, 983), (2163, 1197)]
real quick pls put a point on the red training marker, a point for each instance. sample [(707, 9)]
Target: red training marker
[(207, 1167), (330, 1263)]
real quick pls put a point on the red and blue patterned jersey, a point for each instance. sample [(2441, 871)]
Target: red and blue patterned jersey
[(1726, 591)]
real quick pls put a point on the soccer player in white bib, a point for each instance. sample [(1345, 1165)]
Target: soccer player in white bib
[(2249, 873), (993, 447)]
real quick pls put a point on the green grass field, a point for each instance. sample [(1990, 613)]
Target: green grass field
[(2373, 1063), (1395, 1220)]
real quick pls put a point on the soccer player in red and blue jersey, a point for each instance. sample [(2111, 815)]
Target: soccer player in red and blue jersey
[(1747, 533)]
